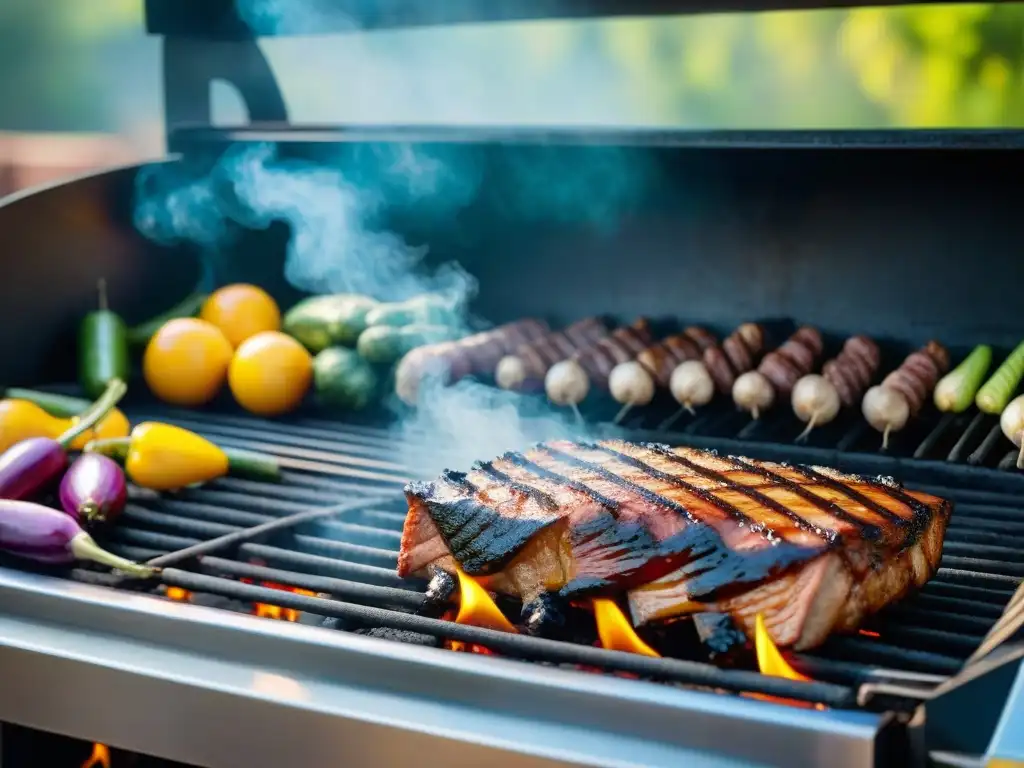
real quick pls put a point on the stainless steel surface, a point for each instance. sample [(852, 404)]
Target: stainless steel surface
[(214, 688), (1008, 742)]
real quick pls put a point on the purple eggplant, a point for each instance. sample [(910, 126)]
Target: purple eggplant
[(30, 466), (94, 490), (47, 535)]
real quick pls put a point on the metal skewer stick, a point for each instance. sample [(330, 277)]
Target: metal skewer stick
[(622, 413), (238, 537)]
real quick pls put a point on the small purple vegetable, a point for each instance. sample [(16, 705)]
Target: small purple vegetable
[(94, 489), (28, 467), (47, 535)]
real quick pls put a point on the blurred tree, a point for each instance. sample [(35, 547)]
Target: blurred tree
[(48, 53)]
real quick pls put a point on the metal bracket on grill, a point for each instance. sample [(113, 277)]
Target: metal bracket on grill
[(191, 65), (964, 712)]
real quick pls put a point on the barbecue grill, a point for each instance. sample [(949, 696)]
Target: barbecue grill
[(902, 235)]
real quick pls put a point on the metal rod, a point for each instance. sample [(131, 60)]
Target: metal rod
[(523, 646), (977, 423), (993, 436), (934, 436), (240, 537)]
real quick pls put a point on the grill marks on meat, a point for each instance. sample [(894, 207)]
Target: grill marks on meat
[(853, 369), (661, 359), (525, 369), (795, 358), (681, 530), (737, 354), (621, 346), (918, 374)]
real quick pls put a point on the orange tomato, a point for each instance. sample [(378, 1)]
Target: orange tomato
[(186, 361), (270, 373), (241, 311)]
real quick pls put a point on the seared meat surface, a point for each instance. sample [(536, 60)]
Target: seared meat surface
[(683, 532)]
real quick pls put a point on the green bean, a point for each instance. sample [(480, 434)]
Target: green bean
[(955, 391), (997, 391)]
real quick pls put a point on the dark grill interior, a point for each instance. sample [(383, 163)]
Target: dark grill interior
[(350, 560)]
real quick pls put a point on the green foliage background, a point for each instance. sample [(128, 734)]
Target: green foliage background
[(945, 65)]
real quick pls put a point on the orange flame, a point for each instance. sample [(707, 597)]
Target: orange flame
[(177, 593), (615, 631), (477, 609), (868, 633), (771, 662), (769, 658), (100, 757)]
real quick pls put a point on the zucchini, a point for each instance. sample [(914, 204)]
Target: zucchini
[(320, 322), (385, 344), (428, 309), (343, 380)]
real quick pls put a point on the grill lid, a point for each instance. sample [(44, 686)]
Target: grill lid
[(233, 19)]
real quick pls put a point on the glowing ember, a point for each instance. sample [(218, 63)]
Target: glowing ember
[(615, 631), (100, 757), (868, 633), (267, 611), (477, 609), (177, 593)]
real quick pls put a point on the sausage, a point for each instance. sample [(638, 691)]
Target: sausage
[(853, 369), (526, 367), (917, 376), (736, 355), (785, 366), (450, 361), (621, 345), (664, 357)]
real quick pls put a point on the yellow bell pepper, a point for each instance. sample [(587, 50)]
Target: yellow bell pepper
[(22, 419), (164, 457)]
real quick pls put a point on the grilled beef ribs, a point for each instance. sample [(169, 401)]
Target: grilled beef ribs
[(682, 531)]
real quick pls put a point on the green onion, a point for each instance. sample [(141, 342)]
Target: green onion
[(997, 391), (955, 391)]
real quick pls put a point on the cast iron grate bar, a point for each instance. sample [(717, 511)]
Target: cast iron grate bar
[(352, 558)]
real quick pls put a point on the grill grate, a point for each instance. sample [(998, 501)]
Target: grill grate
[(352, 558)]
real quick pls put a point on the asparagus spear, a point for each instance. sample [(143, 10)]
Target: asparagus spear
[(997, 391), (956, 390)]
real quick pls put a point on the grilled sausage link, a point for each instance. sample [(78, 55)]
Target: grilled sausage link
[(662, 358), (917, 376), (853, 369), (736, 355), (621, 345), (454, 360), (785, 366), (525, 368)]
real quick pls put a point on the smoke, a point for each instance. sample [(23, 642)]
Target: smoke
[(339, 208)]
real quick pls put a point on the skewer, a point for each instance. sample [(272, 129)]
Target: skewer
[(675, 416), (622, 413), (778, 373), (817, 400), (889, 406)]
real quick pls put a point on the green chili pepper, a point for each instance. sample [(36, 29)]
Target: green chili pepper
[(102, 348)]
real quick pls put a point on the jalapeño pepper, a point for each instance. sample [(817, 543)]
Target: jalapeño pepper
[(102, 347)]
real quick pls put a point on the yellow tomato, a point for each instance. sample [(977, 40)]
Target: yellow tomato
[(241, 311), (270, 373), (186, 361)]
